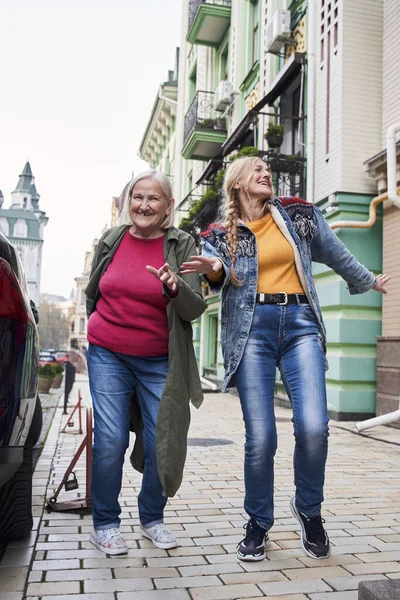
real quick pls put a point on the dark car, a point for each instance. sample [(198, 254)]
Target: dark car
[(20, 409)]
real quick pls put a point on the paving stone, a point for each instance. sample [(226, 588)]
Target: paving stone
[(187, 582), (287, 587), (79, 574), (152, 572), (53, 588), (315, 573), (350, 583), (210, 569), (376, 567), (227, 592), (118, 585), (335, 596), (155, 595)]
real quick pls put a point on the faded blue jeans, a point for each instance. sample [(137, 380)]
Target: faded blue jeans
[(286, 337), (113, 377)]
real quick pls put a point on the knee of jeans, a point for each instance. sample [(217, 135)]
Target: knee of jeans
[(110, 445), (261, 443), (314, 437)]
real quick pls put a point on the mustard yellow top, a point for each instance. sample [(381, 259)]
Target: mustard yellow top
[(276, 268)]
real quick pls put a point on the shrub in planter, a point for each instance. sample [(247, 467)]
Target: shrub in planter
[(207, 124), (46, 374), (57, 379), (245, 151), (274, 135)]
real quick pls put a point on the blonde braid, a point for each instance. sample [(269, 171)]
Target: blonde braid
[(231, 236)]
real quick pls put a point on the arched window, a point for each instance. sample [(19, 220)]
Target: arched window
[(21, 228), (4, 225)]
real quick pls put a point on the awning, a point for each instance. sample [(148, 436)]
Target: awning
[(285, 76)]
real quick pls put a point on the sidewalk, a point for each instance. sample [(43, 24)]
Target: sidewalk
[(361, 510)]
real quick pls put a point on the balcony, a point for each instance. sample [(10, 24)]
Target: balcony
[(208, 21), (204, 129), (288, 173)]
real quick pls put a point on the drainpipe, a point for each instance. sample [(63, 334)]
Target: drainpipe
[(381, 420), (391, 164), (311, 73)]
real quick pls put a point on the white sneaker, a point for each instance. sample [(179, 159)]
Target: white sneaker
[(109, 541), (160, 535)]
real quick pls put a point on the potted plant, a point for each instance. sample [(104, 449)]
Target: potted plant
[(207, 124), (46, 374), (274, 135), (58, 376)]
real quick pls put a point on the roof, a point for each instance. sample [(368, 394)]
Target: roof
[(32, 222), (25, 180)]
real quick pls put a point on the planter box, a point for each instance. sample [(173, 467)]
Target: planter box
[(57, 380), (44, 385)]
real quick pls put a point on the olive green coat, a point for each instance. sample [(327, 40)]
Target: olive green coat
[(183, 382)]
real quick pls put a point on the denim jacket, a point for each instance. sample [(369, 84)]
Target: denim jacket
[(311, 239)]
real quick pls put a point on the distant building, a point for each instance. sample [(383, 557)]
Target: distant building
[(78, 322), (23, 224)]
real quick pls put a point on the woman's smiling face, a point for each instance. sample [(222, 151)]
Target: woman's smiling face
[(148, 208), (260, 183)]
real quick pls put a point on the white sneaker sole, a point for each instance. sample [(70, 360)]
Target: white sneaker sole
[(112, 551), (251, 557), (164, 546)]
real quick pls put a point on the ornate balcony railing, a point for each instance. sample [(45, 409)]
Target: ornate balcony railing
[(194, 5), (201, 115), (288, 173)]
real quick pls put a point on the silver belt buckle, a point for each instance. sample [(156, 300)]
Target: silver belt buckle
[(261, 298), (286, 299)]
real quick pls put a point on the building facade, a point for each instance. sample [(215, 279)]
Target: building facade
[(388, 344), (23, 224), (78, 321), (324, 72)]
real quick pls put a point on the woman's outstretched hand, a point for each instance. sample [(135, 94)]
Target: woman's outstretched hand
[(202, 265), (381, 281), (165, 275)]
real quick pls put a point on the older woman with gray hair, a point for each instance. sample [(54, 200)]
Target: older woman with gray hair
[(141, 361)]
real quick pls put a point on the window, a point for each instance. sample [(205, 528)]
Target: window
[(255, 33), (21, 228), (81, 325), (4, 225)]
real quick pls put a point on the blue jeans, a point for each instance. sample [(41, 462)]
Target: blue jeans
[(113, 378), (286, 337)]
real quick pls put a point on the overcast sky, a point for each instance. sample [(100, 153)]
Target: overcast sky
[(78, 81)]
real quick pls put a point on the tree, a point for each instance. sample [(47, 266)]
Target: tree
[(53, 326)]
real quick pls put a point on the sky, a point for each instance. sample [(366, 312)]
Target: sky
[(78, 81)]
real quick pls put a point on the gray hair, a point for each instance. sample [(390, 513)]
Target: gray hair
[(126, 196)]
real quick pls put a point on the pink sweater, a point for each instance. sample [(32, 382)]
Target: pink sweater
[(130, 315)]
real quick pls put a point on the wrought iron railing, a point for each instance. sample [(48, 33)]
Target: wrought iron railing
[(201, 115), (288, 173), (194, 5)]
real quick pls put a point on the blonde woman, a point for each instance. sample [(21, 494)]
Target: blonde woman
[(141, 361), (260, 255)]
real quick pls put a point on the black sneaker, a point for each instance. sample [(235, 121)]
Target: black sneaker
[(252, 547), (314, 538)]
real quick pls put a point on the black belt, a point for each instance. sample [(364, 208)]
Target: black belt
[(281, 298)]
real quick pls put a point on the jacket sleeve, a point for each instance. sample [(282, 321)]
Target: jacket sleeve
[(188, 303), (210, 251), (95, 264), (327, 248)]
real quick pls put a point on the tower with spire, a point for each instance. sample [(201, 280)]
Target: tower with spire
[(23, 223)]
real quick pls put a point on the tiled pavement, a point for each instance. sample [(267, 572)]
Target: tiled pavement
[(362, 512)]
